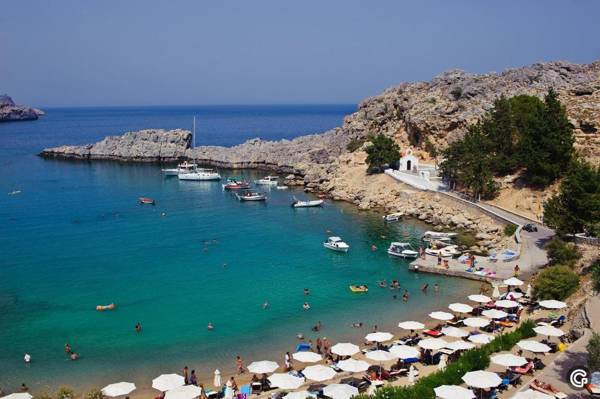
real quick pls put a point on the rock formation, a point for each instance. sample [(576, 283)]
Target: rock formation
[(11, 112)]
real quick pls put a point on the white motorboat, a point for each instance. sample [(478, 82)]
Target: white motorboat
[(336, 244), (251, 196), (306, 204), (393, 217), (267, 181), (438, 235), (446, 252), (281, 187), (200, 174), (185, 167), (402, 249)]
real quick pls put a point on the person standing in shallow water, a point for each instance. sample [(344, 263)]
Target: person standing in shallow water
[(239, 363), (193, 378), (186, 379)]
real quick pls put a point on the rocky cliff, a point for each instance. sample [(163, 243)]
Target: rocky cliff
[(9, 111)]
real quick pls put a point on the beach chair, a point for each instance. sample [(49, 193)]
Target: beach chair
[(527, 369), (559, 321), (302, 347), (433, 333), (547, 389), (256, 388)]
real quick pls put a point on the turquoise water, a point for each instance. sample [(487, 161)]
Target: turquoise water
[(75, 237)]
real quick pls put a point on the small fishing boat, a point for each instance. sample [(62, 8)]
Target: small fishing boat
[(105, 307), (185, 167), (16, 192), (148, 201), (236, 183), (445, 252), (306, 204), (200, 174), (336, 244), (267, 181), (362, 288), (281, 187), (438, 235), (251, 196), (393, 217), (402, 250)]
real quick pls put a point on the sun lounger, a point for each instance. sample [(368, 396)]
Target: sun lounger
[(528, 368), (433, 333), (507, 324), (302, 347), (594, 390), (547, 389)]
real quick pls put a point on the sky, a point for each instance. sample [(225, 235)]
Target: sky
[(196, 52)]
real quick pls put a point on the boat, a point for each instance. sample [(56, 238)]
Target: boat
[(282, 187), (306, 204), (267, 181), (105, 307), (393, 217), (185, 167), (16, 192), (200, 174), (336, 244), (359, 288), (438, 235), (236, 183), (251, 196), (445, 252), (402, 249), (146, 200)]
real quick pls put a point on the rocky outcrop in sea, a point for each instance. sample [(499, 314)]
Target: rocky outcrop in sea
[(9, 111)]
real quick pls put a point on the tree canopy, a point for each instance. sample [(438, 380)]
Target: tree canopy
[(382, 151)]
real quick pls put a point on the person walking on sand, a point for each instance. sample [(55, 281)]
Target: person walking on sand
[(325, 345), (517, 270), (287, 360), (239, 363), (186, 378)]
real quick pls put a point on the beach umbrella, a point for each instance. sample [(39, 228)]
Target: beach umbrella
[(531, 394), (262, 367), (476, 322), (118, 389), (217, 380), (482, 379), (405, 351), (184, 392), (505, 303), (453, 392), (480, 338), (20, 395), (549, 331), (340, 391), (165, 382), (454, 332), (380, 356), (444, 316), (460, 307), (411, 325), (494, 314), (307, 357), (460, 345), (552, 304), (480, 298), (345, 349), (298, 395), (285, 381), (352, 365), (496, 292), (379, 337), (509, 360), (514, 295), (432, 343), (319, 372), (513, 281), (529, 291), (533, 346)]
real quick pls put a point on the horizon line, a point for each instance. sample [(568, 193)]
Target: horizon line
[(42, 107)]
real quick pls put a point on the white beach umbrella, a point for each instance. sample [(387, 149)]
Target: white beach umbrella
[(508, 360), (345, 349), (380, 356), (482, 379), (319, 372), (549, 331), (480, 338), (405, 351), (19, 395), (432, 343), (477, 322), (307, 357), (379, 337), (444, 316), (165, 382), (494, 314), (454, 332), (480, 298), (217, 379), (354, 366), (460, 345), (460, 307), (262, 367), (506, 303), (533, 346), (184, 392), (298, 395), (285, 381), (411, 325), (552, 304), (118, 389), (340, 391), (514, 295), (513, 281), (453, 392), (531, 394)]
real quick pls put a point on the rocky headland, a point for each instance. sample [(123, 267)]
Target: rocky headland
[(9, 111)]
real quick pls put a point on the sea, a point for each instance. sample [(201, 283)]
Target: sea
[(73, 236)]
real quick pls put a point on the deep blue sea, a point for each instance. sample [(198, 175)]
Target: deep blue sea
[(75, 237)]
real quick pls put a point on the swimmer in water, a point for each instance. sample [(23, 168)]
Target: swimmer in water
[(424, 288), (265, 305), (138, 327), (306, 306), (382, 283), (306, 291), (373, 248), (357, 324), (210, 326)]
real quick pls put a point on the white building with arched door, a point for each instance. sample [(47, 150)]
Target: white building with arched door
[(408, 162)]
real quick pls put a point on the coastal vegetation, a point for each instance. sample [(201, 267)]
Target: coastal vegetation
[(593, 349), (381, 152), (521, 134), (510, 229), (556, 282), (562, 253), (596, 275), (355, 143)]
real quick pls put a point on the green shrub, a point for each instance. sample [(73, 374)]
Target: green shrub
[(430, 148), (556, 282), (355, 143), (456, 92), (562, 253), (65, 393), (593, 349), (510, 229), (596, 275), (94, 393)]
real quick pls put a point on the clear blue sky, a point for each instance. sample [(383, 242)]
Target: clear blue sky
[(143, 52)]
